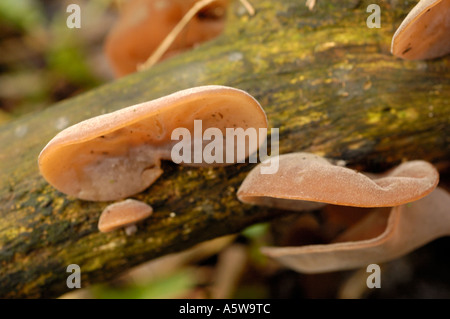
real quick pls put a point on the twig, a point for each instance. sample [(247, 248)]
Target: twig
[(170, 38), (248, 7), (310, 4)]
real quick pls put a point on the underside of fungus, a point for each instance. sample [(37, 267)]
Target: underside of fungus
[(425, 32), (305, 181), (118, 154), (307, 177), (407, 227)]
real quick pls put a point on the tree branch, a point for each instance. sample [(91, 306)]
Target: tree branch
[(325, 79)]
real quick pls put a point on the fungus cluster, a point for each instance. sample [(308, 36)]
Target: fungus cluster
[(305, 182), (116, 155)]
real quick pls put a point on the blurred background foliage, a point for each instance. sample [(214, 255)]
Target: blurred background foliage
[(225, 267), (42, 61)]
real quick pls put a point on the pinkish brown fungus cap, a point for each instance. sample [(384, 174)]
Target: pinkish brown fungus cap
[(307, 177), (123, 214), (118, 154), (425, 32)]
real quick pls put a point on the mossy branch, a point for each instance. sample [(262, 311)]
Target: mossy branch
[(326, 80)]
